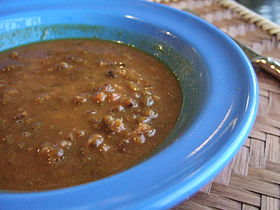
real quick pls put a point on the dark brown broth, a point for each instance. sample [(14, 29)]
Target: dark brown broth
[(74, 111)]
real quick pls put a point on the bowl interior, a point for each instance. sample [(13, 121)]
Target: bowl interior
[(181, 58)]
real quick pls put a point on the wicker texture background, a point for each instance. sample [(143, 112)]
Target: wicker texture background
[(252, 180)]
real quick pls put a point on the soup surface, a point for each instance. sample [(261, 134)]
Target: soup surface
[(74, 111)]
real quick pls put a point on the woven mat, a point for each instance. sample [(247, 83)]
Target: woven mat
[(252, 179)]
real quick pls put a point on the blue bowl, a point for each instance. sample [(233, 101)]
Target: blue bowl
[(218, 83)]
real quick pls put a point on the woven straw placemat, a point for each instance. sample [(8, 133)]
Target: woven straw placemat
[(252, 179)]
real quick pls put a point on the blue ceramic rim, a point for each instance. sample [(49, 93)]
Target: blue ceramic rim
[(181, 187)]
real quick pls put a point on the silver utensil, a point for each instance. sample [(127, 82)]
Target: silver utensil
[(270, 65)]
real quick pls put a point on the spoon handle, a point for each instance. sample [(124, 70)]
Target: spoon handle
[(269, 65)]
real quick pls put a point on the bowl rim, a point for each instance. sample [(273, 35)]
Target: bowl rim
[(173, 189)]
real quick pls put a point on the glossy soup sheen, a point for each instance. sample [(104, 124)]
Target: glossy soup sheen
[(74, 111)]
